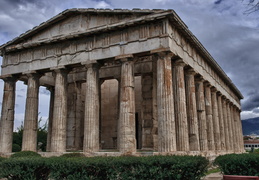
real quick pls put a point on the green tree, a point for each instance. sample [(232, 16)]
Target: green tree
[(17, 139), (41, 137)]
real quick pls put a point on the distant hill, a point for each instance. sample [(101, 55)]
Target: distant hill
[(250, 126)]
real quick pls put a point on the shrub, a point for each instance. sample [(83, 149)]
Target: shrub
[(239, 164), (24, 168), (152, 167), (72, 155), (2, 158), (16, 148), (25, 154)]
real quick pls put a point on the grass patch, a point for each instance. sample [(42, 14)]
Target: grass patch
[(213, 170)]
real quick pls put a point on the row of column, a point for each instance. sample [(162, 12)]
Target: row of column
[(58, 111), (192, 115)]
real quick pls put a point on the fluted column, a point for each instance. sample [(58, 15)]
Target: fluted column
[(92, 108), (233, 127), (59, 123), (154, 105), (51, 106), (127, 132), (221, 123), (165, 104), (208, 105), (230, 129), (201, 114), (182, 139), (226, 127), (7, 115), (215, 118), (191, 111), (235, 130), (29, 140), (241, 140)]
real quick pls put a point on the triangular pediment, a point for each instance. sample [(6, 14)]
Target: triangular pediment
[(75, 21)]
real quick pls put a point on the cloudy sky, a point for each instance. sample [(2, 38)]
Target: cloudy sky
[(223, 27)]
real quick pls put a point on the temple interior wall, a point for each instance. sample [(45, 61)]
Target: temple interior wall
[(109, 114)]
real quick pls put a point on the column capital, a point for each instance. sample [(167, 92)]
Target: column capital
[(214, 90), (61, 70), (162, 53), (207, 84), (9, 77), (224, 97), (227, 100), (199, 78), (125, 57), (33, 74), (219, 93), (179, 62), (190, 71), (91, 64)]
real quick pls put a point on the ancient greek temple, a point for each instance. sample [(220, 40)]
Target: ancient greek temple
[(120, 81)]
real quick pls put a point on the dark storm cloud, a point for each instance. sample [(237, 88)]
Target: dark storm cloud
[(251, 103), (217, 2)]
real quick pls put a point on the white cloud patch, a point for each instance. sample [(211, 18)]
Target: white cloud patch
[(102, 4), (248, 115)]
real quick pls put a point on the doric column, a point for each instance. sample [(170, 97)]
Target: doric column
[(208, 105), (191, 110), (230, 128), (29, 140), (51, 106), (154, 105), (118, 113), (92, 108), (165, 104), (221, 123), (182, 139), (215, 118), (226, 127), (241, 140), (59, 122), (235, 129), (7, 115), (127, 134), (201, 114)]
